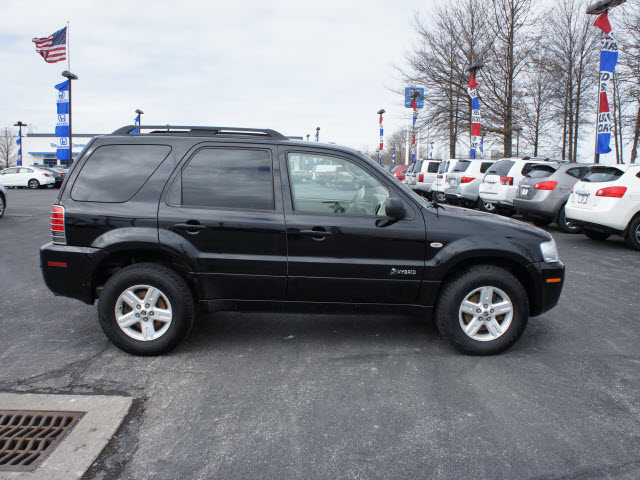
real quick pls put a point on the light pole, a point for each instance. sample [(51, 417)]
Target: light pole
[(415, 96), (474, 139), (67, 74), (517, 129), (19, 125), (308, 137), (317, 134), (139, 112), (380, 112), (608, 48)]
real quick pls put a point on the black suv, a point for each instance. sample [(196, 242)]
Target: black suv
[(153, 224)]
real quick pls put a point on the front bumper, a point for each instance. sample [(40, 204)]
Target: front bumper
[(68, 271), (545, 288)]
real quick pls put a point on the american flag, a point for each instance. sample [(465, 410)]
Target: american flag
[(54, 47)]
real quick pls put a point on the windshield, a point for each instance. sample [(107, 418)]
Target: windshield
[(501, 168), (603, 174), (541, 171)]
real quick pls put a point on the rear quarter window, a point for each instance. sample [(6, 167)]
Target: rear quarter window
[(501, 168), (541, 171), (115, 173), (485, 166), (433, 167), (443, 167), (528, 167)]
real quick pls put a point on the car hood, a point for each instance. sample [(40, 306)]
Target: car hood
[(490, 222)]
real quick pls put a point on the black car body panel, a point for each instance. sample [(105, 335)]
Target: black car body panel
[(267, 257)]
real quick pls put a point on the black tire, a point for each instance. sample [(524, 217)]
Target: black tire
[(440, 197), (448, 316), (633, 233), (486, 206), (170, 284), (51, 185), (541, 222), (595, 235), (3, 204), (33, 184), (506, 211), (565, 226)]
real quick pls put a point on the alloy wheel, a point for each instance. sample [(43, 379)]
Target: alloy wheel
[(143, 312), (485, 313)]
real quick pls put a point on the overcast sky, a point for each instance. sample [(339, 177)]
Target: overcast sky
[(290, 66)]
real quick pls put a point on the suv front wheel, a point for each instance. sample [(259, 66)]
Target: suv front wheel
[(146, 309), (483, 311)]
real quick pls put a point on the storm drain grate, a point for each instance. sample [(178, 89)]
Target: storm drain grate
[(27, 437)]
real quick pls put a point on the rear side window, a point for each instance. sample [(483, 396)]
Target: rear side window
[(603, 174), (577, 172), (528, 167), (228, 178), (433, 167), (501, 168), (461, 166), (485, 166), (115, 173)]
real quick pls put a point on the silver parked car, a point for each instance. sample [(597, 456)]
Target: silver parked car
[(411, 176), (464, 180), (544, 191)]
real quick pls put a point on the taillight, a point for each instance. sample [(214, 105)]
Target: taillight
[(46, 175), (57, 225), (467, 179), (614, 192), (545, 185), (506, 180), (421, 177)]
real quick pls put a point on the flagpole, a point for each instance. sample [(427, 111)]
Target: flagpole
[(68, 47)]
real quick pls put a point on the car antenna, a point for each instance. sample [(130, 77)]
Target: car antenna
[(436, 205)]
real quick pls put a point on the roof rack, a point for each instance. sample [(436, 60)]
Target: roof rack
[(201, 131)]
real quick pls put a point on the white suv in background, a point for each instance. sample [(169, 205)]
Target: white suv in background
[(427, 176), (500, 184), (26, 177), (607, 201), (440, 184), (464, 180)]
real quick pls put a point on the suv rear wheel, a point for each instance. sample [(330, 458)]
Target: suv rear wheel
[(633, 234), (566, 226), (595, 235), (146, 309), (483, 311)]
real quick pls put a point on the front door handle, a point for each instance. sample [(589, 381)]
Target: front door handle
[(192, 228), (317, 235)]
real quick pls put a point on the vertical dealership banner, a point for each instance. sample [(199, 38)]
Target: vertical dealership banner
[(475, 115), (19, 142), (381, 140), (431, 151), (608, 60), (414, 99), (393, 158), (62, 124), (481, 147), (136, 121)]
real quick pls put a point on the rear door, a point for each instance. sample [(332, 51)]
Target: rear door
[(224, 209), (341, 246)]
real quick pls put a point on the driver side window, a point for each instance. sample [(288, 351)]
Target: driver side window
[(334, 185)]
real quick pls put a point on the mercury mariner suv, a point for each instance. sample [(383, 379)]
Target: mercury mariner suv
[(154, 224)]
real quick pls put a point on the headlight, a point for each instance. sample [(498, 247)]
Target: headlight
[(549, 251)]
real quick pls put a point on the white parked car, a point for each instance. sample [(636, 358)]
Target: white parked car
[(440, 183), (500, 185), (464, 182), (607, 201), (427, 176), (26, 177)]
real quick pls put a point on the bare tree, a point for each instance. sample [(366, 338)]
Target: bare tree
[(8, 147), (512, 44), (398, 140), (535, 100)]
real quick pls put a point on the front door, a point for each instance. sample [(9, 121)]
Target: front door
[(224, 210), (10, 177), (341, 246)]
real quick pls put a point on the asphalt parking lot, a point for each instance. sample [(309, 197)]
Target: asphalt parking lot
[(312, 396)]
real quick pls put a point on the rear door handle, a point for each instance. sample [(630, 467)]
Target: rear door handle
[(189, 227)]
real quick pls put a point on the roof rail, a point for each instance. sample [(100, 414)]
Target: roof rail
[(201, 131)]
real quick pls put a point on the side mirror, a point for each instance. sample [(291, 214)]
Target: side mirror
[(393, 207)]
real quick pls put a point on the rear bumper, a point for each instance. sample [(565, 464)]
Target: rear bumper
[(603, 219), (68, 271), (547, 280), (537, 208), (595, 226)]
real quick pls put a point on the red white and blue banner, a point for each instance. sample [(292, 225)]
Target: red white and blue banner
[(19, 142), (393, 158), (475, 115), (381, 142), (62, 125), (608, 60)]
